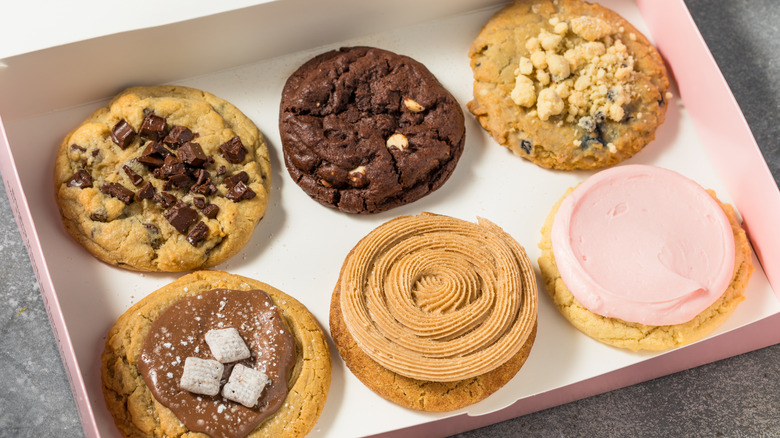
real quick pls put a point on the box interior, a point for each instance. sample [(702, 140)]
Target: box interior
[(299, 246)]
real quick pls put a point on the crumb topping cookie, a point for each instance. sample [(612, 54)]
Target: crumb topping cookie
[(365, 130), (567, 84), (176, 363), (435, 313), (164, 178)]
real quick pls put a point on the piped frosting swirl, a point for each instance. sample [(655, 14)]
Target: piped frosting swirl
[(436, 298)]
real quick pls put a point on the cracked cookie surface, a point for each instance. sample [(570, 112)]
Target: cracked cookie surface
[(567, 84), (365, 130), (137, 414), (164, 178), (635, 336)]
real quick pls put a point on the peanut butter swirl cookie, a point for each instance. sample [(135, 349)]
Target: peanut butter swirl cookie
[(164, 178), (567, 84), (435, 313)]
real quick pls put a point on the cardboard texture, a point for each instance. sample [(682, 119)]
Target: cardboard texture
[(289, 251)]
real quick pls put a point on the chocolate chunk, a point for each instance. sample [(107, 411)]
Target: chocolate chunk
[(96, 152), (135, 178), (154, 154), (178, 136), (171, 166), (81, 178), (239, 192), (197, 233), (221, 170), (526, 145), (233, 150), (192, 154), (118, 191), (150, 161), (207, 189), (181, 216), (210, 211), (203, 184), (99, 216), (147, 191), (76, 147), (236, 178), (202, 177), (153, 127), (199, 202), (180, 180), (155, 239), (165, 199), (122, 134)]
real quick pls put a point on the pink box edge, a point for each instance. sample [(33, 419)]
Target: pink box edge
[(763, 333), (23, 217), (759, 334), (721, 126)]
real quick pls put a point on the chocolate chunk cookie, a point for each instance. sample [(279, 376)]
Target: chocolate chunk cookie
[(365, 130), (567, 84), (164, 178)]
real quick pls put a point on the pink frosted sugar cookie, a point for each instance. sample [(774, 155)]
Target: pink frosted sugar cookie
[(643, 258)]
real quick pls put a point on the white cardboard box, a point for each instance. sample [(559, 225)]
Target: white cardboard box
[(245, 55)]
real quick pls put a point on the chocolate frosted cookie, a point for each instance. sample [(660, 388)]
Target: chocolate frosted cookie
[(218, 354), (567, 84), (164, 178), (365, 130)]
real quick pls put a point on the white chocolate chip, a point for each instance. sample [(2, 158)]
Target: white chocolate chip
[(413, 106), (357, 176), (398, 141)]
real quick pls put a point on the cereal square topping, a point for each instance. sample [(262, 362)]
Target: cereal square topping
[(227, 345), (245, 385), (201, 376)]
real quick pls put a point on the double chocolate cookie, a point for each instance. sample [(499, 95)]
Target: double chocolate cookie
[(365, 130), (164, 178)]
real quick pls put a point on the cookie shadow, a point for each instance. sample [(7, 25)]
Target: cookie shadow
[(335, 399)]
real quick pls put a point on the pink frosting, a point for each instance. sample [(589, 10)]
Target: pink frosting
[(643, 244)]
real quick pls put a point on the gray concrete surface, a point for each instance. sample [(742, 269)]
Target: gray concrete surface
[(735, 397)]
